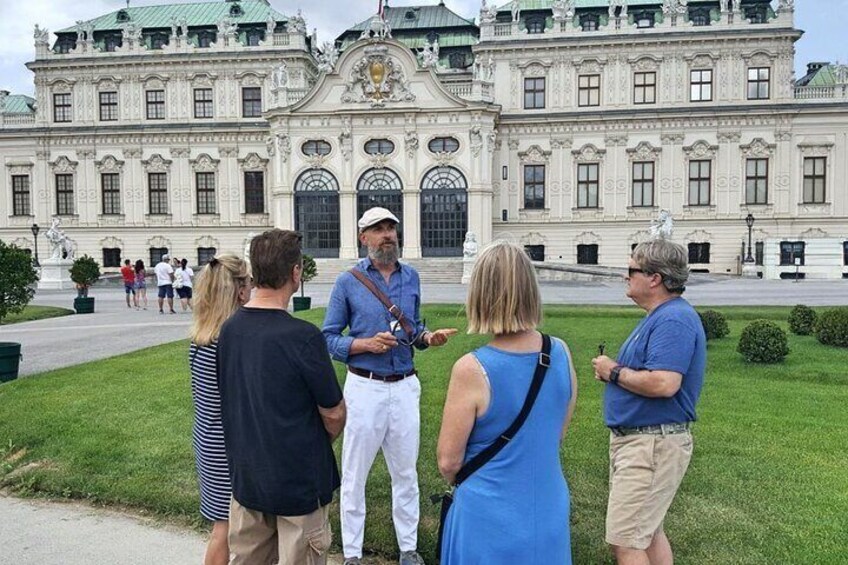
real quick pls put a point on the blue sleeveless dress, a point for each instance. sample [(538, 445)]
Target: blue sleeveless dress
[(515, 509)]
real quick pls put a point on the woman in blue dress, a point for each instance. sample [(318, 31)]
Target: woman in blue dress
[(223, 286), (515, 508)]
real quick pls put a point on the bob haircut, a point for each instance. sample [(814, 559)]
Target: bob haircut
[(216, 296), (503, 295)]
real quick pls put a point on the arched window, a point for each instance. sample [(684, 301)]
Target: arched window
[(443, 145), (536, 25), (379, 147), (444, 212), (589, 22), (380, 187), (315, 147), (700, 16), (254, 37), (205, 38), (316, 212)]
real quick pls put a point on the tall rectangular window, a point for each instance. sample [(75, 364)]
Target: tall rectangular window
[(645, 88), (205, 193), (534, 93), (589, 90), (534, 187), (587, 254), (108, 106), (756, 181), (792, 251), (155, 104), (157, 186), (814, 180), (251, 102), (203, 103), (700, 173), (64, 195), (205, 254), (759, 252), (643, 183), (156, 254), (110, 184), (21, 196), (254, 192), (699, 253), (587, 185), (701, 85), (845, 252), (62, 107), (758, 83), (111, 257)]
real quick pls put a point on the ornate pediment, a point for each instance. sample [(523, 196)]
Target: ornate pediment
[(159, 242), (533, 238), (698, 236), (646, 63), (376, 79), (19, 167), (111, 242), (207, 241), (534, 154), (702, 61), (701, 150), (639, 237), (587, 238), (815, 149), (589, 153), (644, 152), (253, 162), (109, 165), (204, 164), (758, 148), (156, 164), (63, 165), (814, 233)]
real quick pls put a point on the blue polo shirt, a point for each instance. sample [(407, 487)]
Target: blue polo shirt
[(671, 338), (353, 307)]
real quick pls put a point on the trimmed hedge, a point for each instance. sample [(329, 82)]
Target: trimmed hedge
[(715, 324), (763, 342), (802, 320), (832, 327)]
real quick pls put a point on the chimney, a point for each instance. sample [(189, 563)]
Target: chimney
[(813, 67)]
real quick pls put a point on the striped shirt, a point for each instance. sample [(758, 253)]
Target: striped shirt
[(208, 434)]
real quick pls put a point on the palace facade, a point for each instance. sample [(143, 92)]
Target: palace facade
[(566, 126)]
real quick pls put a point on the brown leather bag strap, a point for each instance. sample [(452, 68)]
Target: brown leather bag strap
[(393, 309)]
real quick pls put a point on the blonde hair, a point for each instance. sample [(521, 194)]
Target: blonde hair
[(216, 296), (503, 295)]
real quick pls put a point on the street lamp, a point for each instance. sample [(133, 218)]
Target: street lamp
[(35, 229), (749, 221)]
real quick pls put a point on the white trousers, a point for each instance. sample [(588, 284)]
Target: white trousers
[(380, 415)]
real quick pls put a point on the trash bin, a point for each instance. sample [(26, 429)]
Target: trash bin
[(10, 357)]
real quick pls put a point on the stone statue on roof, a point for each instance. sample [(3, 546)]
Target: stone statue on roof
[(515, 8), (725, 5), (131, 32), (674, 7), (563, 9), (430, 54), (613, 4), (184, 27), (488, 14), (226, 27), (270, 24), (175, 26), (41, 35), (327, 57), (297, 24), (786, 6)]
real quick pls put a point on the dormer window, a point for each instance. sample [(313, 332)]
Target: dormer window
[(122, 16), (700, 17), (536, 25), (644, 19), (111, 42), (457, 60), (756, 14), (589, 22), (410, 15), (205, 38), (432, 36), (254, 37), (64, 45), (158, 40), (236, 11)]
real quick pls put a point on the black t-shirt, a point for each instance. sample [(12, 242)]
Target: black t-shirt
[(274, 372)]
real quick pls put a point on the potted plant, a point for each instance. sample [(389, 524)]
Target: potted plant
[(310, 270), (84, 272), (17, 279)]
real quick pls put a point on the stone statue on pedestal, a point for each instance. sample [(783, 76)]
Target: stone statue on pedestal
[(469, 256), (59, 242), (663, 226)]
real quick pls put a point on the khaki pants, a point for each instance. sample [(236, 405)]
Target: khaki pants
[(645, 473), (257, 538)]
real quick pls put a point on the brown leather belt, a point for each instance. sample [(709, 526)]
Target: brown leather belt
[(384, 378)]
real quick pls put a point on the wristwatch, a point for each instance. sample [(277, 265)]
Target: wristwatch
[(615, 373)]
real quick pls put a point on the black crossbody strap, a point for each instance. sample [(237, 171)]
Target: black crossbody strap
[(494, 448), (393, 309)]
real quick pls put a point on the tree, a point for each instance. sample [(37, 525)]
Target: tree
[(85, 272), (310, 271), (17, 277)]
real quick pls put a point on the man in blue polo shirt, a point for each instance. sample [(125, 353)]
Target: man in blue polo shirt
[(651, 392), (381, 389)]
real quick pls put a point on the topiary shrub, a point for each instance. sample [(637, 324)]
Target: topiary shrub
[(17, 277), (802, 320), (310, 271), (832, 327), (84, 272), (763, 342), (715, 324)]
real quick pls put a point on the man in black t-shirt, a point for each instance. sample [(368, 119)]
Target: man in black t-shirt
[(282, 408)]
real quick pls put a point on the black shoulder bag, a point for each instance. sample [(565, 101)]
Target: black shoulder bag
[(495, 447)]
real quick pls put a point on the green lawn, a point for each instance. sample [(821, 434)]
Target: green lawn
[(768, 482), (31, 313)]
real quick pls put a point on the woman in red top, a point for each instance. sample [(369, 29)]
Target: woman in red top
[(128, 273)]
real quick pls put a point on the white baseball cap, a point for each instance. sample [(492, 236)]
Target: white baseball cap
[(165, 257), (374, 216)]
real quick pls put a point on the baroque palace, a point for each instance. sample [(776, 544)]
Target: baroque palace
[(566, 125)]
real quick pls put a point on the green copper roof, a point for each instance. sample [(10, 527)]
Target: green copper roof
[(200, 14), (827, 75), (18, 104), (419, 18), (546, 4), (446, 39)]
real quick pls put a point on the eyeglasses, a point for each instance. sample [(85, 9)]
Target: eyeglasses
[(633, 270), (402, 337)]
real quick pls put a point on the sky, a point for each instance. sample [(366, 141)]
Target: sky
[(821, 42)]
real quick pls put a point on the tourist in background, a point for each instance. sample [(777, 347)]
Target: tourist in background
[(223, 286), (165, 282), (140, 284), (128, 275), (184, 274), (515, 508)]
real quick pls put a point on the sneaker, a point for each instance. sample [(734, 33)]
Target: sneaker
[(352, 561), (410, 558), (173, 312), (161, 312)]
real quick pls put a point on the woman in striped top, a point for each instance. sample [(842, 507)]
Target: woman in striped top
[(222, 286)]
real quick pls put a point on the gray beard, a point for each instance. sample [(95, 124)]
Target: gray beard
[(384, 256)]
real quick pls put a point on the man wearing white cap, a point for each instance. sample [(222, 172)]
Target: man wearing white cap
[(378, 302), (165, 282)]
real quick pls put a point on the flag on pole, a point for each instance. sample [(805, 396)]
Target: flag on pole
[(380, 9)]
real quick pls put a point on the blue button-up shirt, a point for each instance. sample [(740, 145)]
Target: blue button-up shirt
[(353, 306)]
